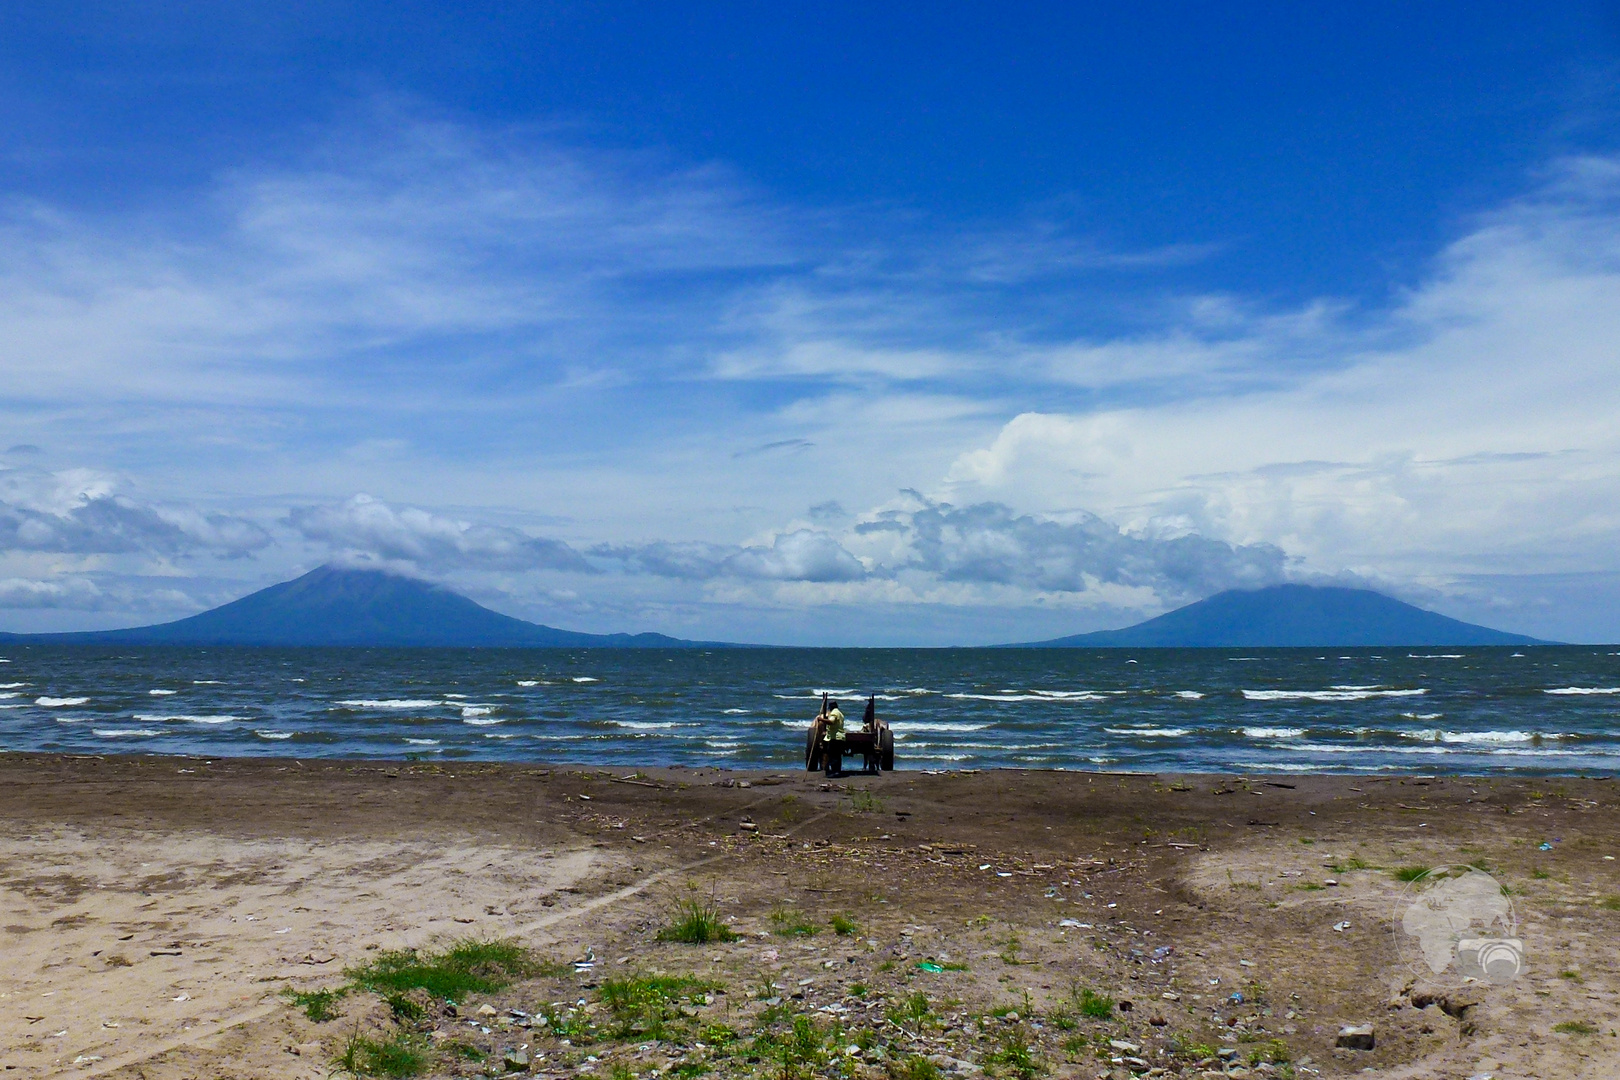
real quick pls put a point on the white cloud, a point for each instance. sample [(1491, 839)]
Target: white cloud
[(364, 526), (1470, 430), (80, 511)]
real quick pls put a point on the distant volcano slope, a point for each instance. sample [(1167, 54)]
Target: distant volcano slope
[(1292, 615), (335, 606)]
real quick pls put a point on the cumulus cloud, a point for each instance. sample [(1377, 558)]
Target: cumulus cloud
[(989, 543), (81, 512), (1468, 431), (798, 555), (367, 526), (70, 593)]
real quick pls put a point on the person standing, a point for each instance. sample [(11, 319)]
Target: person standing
[(833, 740)]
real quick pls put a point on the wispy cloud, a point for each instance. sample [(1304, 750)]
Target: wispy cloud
[(674, 367)]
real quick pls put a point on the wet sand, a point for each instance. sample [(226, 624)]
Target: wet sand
[(155, 909)]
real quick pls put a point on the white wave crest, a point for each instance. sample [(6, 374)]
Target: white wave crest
[(1582, 691), (1189, 695), (1150, 732), (1327, 695), (58, 702), (273, 736), (10, 694), (584, 678), (389, 703), (1421, 715), (122, 733), (1273, 732), (423, 742), (528, 682), (11, 685), (482, 721), (940, 726), (736, 712), (207, 682), (470, 711), (645, 725), (148, 718), (162, 693), (1052, 696), (1434, 656)]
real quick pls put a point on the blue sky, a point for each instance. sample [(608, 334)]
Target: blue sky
[(949, 324)]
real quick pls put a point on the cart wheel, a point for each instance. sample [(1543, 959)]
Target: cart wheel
[(886, 750), (812, 749)]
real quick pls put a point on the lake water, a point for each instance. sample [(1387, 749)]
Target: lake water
[(1551, 710)]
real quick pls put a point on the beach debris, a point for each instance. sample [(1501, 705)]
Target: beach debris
[(1544, 846), (1076, 923), (1236, 998), (1341, 927), (1355, 1037), (929, 965), (183, 997), (1245, 963), (986, 866), (1170, 995)]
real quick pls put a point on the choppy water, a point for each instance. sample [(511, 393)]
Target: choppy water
[(1422, 710)]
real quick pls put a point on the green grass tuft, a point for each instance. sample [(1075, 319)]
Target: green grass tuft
[(843, 925), (319, 1005), (1575, 1027), (1410, 873), (1016, 1054), (792, 924), (1610, 903), (1095, 1005), (643, 1006), (397, 1056), (696, 923), (914, 1009), (915, 1067), (470, 966)]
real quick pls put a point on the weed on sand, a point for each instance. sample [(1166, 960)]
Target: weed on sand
[(470, 966), (696, 923), (401, 1055)]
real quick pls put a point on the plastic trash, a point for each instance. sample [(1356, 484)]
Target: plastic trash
[(929, 965)]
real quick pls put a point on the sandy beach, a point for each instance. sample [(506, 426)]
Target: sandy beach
[(156, 911)]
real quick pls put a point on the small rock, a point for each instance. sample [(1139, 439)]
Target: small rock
[(486, 1010), (516, 1061), (1227, 1053), (1124, 1047), (1355, 1037), (308, 1049)]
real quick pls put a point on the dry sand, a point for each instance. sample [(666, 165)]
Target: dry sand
[(156, 908)]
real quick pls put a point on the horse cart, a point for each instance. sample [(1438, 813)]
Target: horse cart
[(873, 741)]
